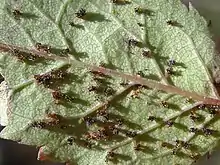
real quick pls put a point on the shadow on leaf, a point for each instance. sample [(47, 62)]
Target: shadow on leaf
[(78, 26), (120, 108), (29, 16), (118, 157), (147, 138), (73, 51), (145, 149), (122, 2), (108, 65), (127, 123), (94, 17), (181, 126)]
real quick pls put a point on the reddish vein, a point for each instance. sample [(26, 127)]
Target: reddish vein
[(135, 79)]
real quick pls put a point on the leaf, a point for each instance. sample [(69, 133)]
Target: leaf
[(3, 103), (122, 84)]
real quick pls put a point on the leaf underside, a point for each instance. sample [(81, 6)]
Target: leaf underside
[(101, 38)]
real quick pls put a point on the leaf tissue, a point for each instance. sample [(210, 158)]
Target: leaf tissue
[(109, 81)]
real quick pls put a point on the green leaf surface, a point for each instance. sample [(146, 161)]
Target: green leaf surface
[(166, 28)]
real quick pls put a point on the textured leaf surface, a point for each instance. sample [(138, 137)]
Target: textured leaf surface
[(102, 38), (3, 104)]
